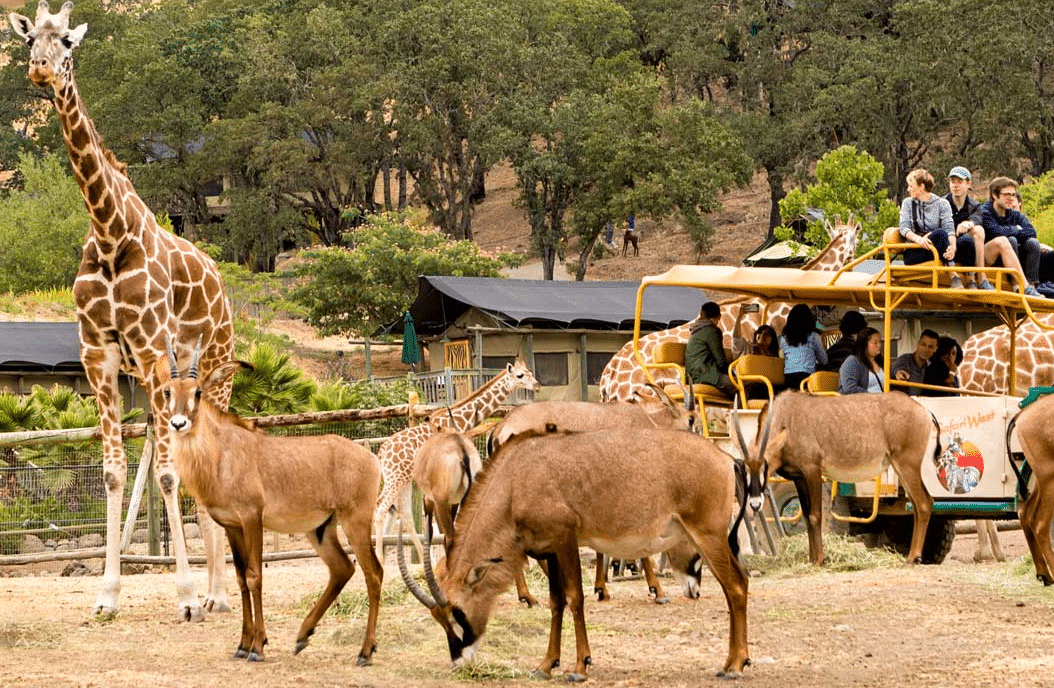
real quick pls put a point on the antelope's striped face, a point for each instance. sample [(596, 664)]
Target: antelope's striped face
[(182, 399)]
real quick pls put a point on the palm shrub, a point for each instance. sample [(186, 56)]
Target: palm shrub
[(274, 386)]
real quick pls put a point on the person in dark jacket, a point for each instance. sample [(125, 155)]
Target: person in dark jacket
[(943, 368), (704, 357), (966, 218), (999, 219)]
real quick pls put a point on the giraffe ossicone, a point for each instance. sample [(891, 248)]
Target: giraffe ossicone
[(136, 286), (623, 378)]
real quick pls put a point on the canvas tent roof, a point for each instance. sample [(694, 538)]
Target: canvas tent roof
[(546, 304), (46, 345)]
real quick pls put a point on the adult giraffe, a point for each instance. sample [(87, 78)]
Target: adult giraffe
[(986, 358), (137, 285), (623, 377)]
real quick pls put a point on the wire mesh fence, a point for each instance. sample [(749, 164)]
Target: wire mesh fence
[(53, 495)]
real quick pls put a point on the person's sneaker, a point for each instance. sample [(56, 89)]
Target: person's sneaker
[(985, 285), (1031, 291), (957, 282), (971, 285)]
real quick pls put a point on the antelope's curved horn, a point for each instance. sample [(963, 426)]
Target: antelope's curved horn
[(172, 363), (411, 584), (430, 576), (193, 372), (738, 429), (768, 426)]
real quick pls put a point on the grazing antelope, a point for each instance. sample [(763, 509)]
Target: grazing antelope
[(249, 480), (1035, 433), (849, 438), (546, 417), (547, 496)]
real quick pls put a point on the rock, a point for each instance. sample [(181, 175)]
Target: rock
[(76, 568), (191, 531), (90, 540), (32, 544)]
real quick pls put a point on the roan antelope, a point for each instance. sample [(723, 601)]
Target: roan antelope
[(444, 468), (249, 480), (850, 438), (546, 417), (1036, 435), (547, 496)]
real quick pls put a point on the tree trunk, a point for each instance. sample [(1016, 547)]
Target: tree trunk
[(402, 186), (776, 194)]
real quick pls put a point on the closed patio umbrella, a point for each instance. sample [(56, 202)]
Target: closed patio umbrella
[(411, 347)]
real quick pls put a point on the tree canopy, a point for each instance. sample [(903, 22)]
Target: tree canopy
[(300, 109)]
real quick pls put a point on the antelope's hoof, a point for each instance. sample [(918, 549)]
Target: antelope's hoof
[(602, 594), (540, 675), (662, 600), (363, 660), (575, 678), (240, 653), (529, 601), (1044, 579), (300, 645), (255, 657), (730, 675), (917, 561)]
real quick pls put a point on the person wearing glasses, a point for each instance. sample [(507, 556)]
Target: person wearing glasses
[(1000, 219)]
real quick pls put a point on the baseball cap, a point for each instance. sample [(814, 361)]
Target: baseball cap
[(960, 172)]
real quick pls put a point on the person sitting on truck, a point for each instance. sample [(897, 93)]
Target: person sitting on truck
[(704, 357), (926, 220), (800, 344), (1000, 219), (852, 322), (912, 367), (943, 369), (966, 218), (764, 341), (861, 372)]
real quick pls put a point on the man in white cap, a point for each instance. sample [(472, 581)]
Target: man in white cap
[(966, 218)]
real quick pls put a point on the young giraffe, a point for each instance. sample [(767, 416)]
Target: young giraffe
[(623, 378), (397, 452), (136, 285)]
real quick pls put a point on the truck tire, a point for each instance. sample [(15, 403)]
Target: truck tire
[(939, 536)]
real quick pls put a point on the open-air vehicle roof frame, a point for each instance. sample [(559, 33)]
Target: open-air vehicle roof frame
[(895, 287)]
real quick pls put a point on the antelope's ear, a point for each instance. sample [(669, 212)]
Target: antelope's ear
[(162, 370), (776, 444), (20, 25), (222, 372)]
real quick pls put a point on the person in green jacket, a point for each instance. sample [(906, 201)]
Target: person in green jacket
[(704, 358)]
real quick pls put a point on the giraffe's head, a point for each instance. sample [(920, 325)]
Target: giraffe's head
[(51, 42)]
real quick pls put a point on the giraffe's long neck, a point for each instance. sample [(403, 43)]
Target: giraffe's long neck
[(470, 411), (95, 168)]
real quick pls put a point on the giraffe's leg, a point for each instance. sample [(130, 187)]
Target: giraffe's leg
[(168, 480), (216, 599), (380, 517), (101, 366)]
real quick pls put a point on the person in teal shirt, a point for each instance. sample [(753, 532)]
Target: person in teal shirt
[(704, 358)]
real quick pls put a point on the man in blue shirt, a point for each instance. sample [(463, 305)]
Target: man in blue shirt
[(999, 218)]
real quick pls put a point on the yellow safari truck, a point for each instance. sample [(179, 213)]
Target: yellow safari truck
[(975, 477)]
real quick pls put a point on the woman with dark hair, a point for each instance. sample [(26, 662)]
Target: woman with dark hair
[(861, 371), (851, 323), (943, 368), (765, 342), (800, 344)]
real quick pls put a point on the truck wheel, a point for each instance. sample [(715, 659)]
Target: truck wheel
[(787, 506), (939, 536)]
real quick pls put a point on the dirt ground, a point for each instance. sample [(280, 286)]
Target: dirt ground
[(958, 624)]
